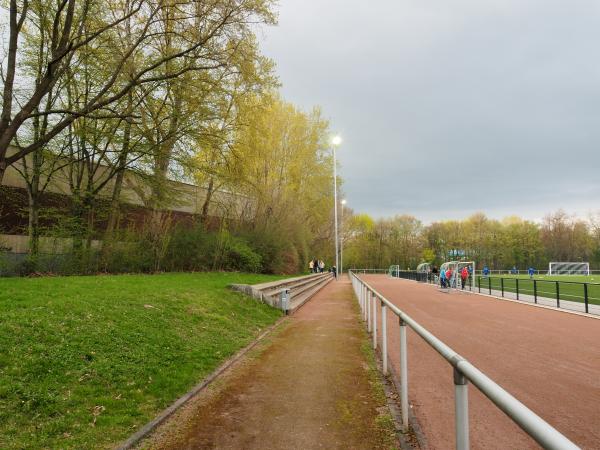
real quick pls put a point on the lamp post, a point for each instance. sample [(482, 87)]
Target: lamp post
[(335, 142), (343, 202)]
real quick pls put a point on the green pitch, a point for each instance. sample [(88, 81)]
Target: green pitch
[(568, 287)]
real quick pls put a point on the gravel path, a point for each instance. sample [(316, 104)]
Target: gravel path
[(309, 387)]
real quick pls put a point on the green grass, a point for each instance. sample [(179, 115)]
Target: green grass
[(568, 286), (85, 361)]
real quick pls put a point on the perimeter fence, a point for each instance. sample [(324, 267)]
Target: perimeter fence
[(563, 294), (464, 372)]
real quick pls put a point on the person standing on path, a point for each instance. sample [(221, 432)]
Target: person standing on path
[(442, 278), (311, 265), (464, 275)]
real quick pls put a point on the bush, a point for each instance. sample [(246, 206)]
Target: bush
[(189, 250), (279, 253), (238, 255), (186, 249)]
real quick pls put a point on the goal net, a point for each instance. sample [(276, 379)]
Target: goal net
[(456, 268), (569, 268), (424, 268), (394, 270)]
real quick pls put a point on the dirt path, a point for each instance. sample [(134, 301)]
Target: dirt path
[(549, 360), (311, 386)]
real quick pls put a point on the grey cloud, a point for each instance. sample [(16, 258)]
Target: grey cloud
[(448, 108)]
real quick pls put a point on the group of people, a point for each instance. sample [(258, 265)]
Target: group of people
[(316, 266), (514, 271), (446, 279)]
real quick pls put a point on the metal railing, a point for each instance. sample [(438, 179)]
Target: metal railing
[(368, 270), (412, 275), (558, 291), (570, 295), (464, 372), (525, 272)]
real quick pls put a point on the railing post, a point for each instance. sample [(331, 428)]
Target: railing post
[(557, 295), (461, 410), (362, 300), (403, 375), (534, 291), (384, 337), (374, 320), (490, 285), (502, 285), (585, 297), (517, 283), (365, 304), (479, 283), (370, 312)]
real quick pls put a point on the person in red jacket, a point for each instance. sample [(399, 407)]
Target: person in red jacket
[(464, 275), (449, 278)]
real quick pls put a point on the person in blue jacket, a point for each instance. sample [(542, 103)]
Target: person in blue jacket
[(443, 278), (486, 271), (531, 272)]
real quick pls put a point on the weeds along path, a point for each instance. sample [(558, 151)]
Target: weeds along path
[(311, 385), (547, 359)]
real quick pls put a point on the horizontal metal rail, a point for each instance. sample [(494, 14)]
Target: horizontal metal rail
[(368, 270), (580, 296), (542, 432)]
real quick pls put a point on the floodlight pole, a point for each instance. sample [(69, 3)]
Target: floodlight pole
[(343, 202), (335, 205)]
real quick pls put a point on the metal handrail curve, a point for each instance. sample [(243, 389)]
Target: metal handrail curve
[(536, 427)]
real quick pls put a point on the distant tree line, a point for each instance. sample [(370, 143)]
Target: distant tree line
[(161, 90), (501, 244)]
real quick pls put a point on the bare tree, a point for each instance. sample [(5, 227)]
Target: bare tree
[(77, 27)]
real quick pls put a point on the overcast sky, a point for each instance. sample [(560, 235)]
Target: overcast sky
[(448, 107)]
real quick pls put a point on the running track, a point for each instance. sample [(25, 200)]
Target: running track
[(547, 359)]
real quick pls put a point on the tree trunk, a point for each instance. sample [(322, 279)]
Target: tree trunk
[(115, 205), (34, 226), (209, 193), (2, 170), (114, 213)]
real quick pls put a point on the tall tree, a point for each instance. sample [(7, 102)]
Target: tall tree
[(80, 25)]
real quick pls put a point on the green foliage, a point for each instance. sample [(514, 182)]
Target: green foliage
[(501, 244), (279, 255), (234, 253), (85, 361), (428, 255)]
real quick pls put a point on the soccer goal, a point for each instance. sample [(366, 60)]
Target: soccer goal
[(394, 270), (456, 268), (424, 268), (569, 268)]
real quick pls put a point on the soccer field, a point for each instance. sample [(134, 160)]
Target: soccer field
[(563, 287)]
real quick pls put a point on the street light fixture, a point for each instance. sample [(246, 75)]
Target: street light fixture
[(335, 142), (343, 202)]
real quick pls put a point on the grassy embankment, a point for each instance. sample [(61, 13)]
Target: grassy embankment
[(85, 361), (570, 287)]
